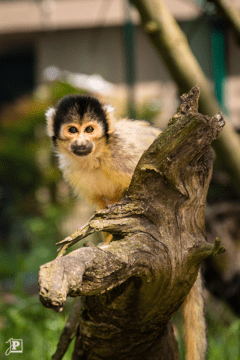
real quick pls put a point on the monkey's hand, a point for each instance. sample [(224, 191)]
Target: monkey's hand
[(107, 238)]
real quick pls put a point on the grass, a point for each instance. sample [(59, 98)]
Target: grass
[(40, 328), (223, 332)]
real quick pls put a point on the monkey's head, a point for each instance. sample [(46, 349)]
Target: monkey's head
[(79, 125)]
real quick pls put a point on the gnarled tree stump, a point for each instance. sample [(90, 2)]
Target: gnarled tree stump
[(133, 286)]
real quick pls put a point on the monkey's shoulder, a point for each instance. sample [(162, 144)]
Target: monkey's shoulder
[(128, 142)]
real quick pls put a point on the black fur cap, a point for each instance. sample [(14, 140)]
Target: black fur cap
[(82, 104)]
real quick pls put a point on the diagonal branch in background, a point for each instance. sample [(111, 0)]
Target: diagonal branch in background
[(133, 286), (172, 46), (231, 13)]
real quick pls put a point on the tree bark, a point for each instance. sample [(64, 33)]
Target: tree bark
[(133, 286), (172, 46)]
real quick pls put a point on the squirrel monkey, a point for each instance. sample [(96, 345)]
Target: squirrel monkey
[(97, 155)]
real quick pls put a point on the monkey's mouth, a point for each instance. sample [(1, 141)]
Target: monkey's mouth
[(81, 150)]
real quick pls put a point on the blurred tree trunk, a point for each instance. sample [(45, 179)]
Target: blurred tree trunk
[(133, 286), (172, 46), (231, 13)]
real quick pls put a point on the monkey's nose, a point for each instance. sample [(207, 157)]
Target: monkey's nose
[(82, 149)]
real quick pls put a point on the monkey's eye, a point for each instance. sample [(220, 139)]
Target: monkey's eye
[(72, 130), (89, 129)]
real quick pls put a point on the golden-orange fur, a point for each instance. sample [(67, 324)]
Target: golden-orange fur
[(100, 185)]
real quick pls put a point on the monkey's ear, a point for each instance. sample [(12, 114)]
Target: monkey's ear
[(50, 119), (110, 116), (109, 109)]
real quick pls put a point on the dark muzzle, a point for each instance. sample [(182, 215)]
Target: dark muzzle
[(82, 150)]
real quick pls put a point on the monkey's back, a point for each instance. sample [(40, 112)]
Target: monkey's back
[(130, 140)]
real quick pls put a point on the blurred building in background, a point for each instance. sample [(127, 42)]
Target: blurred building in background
[(86, 36)]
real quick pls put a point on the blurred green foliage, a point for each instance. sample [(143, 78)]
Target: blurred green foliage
[(149, 110), (30, 211), (29, 204), (38, 327)]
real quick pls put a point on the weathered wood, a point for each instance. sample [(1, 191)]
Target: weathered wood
[(134, 285)]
